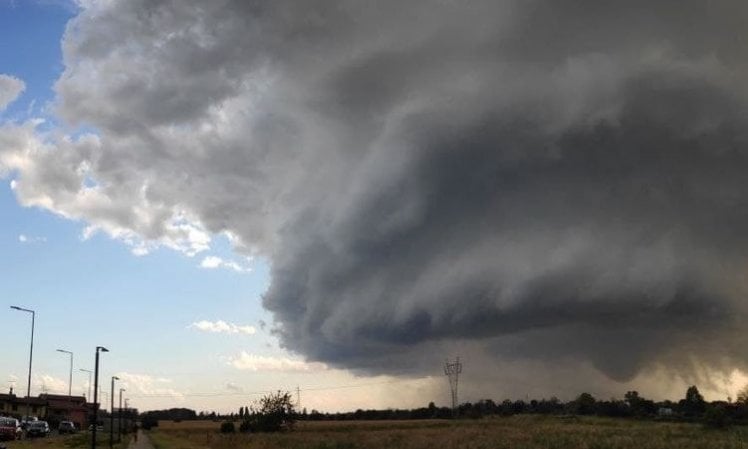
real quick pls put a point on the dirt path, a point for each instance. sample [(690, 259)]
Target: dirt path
[(142, 442)]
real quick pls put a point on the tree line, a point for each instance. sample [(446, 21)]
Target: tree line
[(693, 407)]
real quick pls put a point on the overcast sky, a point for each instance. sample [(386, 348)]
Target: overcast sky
[(241, 196)]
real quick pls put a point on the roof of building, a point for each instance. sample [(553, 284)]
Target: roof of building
[(55, 400), (63, 397)]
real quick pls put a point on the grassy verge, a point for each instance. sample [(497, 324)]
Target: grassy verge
[(79, 440)]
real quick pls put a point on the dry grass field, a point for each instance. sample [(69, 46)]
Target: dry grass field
[(519, 432)]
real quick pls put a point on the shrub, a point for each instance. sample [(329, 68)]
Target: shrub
[(228, 427), (716, 417), (245, 426), (149, 422)]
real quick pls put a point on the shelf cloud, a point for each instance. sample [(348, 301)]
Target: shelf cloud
[(534, 180)]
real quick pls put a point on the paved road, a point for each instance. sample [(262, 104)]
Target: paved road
[(142, 443)]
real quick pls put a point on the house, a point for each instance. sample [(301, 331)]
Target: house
[(664, 411), (16, 406), (49, 407), (66, 408)]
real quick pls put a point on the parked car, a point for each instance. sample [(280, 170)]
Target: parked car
[(10, 429), (66, 427), (38, 429), (26, 420)]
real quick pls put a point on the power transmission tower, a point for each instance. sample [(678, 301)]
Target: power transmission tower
[(453, 370)]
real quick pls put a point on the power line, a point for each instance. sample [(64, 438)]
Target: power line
[(260, 392)]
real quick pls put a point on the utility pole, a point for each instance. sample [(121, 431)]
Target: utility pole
[(70, 378), (119, 416), (129, 416), (96, 396), (31, 355), (89, 398), (111, 415), (298, 399), (453, 370)]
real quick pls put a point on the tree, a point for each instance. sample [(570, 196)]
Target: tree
[(432, 410), (632, 398), (638, 405), (693, 404), (693, 395), (585, 404), (273, 413), (506, 408)]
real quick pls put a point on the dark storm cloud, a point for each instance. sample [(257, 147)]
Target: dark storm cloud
[(630, 228), (617, 231), (539, 180)]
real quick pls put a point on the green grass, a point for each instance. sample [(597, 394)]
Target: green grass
[(518, 432), (79, 440)]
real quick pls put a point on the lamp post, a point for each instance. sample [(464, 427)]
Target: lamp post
[(70, 377), (129, 416), (111, 415), (31, 354), (89, 381), (119, 416), (96, 396)]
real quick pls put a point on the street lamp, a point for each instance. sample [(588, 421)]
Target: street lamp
[(96, 396), (111, 415), (31, 354), (70, 378), (89, 381), (119, 416), (129, 416)]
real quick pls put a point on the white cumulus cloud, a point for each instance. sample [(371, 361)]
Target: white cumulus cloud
[(10, 88), (147, 385), (222, 327), (252, 362), (213, 262), (50, 384), (23, 238)]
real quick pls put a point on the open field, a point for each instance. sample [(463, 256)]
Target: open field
[(518, 432)]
